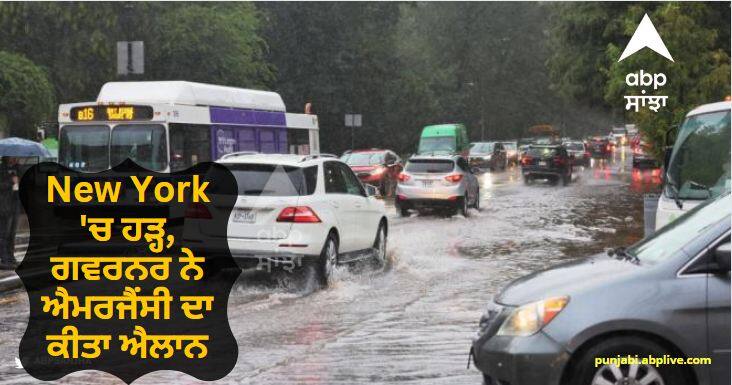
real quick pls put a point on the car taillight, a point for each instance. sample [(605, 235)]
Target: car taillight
[(403, 177), (197, 210), (558, 160), (526, 160), (298, 214), (454, 178)]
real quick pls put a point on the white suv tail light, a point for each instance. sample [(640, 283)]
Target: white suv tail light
[(298, 214)]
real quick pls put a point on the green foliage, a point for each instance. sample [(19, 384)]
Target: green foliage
[(208, 42), (505, 66), (588, 39), (26, 95), (341, 58), (213, 43), (70, 39)]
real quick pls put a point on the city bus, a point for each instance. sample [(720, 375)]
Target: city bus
[(698, 166), (168, 126)]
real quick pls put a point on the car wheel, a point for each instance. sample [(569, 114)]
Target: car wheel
[(476, 204), (403, 212), (463, 206), (586, 373), (527, 180), (328, 260), (566, 178), (380, 246)]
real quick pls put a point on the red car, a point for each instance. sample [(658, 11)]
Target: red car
[(643, 155), (376, 167), (600, 147)]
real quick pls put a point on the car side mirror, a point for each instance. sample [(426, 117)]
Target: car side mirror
[(372, 191), (722, 256)]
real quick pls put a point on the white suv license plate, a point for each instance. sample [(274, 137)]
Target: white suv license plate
[(245, 216), (426, 183)]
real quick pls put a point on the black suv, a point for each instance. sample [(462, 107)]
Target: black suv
[(551, 162)]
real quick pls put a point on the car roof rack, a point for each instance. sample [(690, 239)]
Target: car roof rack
[(238, 153), (317, 156)]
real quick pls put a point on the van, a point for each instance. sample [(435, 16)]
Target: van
[(444, 139), (697, 167)]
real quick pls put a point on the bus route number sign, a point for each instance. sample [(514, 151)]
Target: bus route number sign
[(111, 113)]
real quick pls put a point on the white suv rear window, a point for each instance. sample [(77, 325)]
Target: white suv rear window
[(274, 180), (435, 166)]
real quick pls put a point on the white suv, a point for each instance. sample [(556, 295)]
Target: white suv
[(309, 209)]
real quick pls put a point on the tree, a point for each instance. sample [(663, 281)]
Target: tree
[(699, 74), (72, 40), (341, 58), (26, 95), (587, 40), (213, 43), (76, 42), (486, 62)]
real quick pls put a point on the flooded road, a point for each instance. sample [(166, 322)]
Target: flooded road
[(413, 321)]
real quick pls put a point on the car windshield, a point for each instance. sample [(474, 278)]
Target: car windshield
[(482, 148), (509, 145), (437, 144), (144, 143), (574, 146), (678, 233), (435, 166), (273, 180), (363, 158), (84, 148), (700, 164), (541, 152)]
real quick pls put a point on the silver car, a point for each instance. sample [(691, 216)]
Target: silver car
[(437, 182), (666, 297)]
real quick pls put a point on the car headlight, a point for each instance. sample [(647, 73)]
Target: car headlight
[(530, 318)]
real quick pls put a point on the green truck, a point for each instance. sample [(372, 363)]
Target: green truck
[(440, 139)]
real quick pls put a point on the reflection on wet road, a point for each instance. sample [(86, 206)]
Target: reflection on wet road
[(413, 321)]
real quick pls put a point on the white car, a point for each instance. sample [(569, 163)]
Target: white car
[(311, 210)]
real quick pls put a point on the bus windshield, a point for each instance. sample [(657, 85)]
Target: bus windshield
[(84, 148), (143, 143), (700, 165)]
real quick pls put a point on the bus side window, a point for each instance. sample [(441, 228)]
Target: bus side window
[(189, 144)]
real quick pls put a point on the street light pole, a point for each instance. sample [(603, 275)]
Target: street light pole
[(476, 85), (482, 117)]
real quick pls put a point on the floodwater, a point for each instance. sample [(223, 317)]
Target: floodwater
[(411, 322)]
